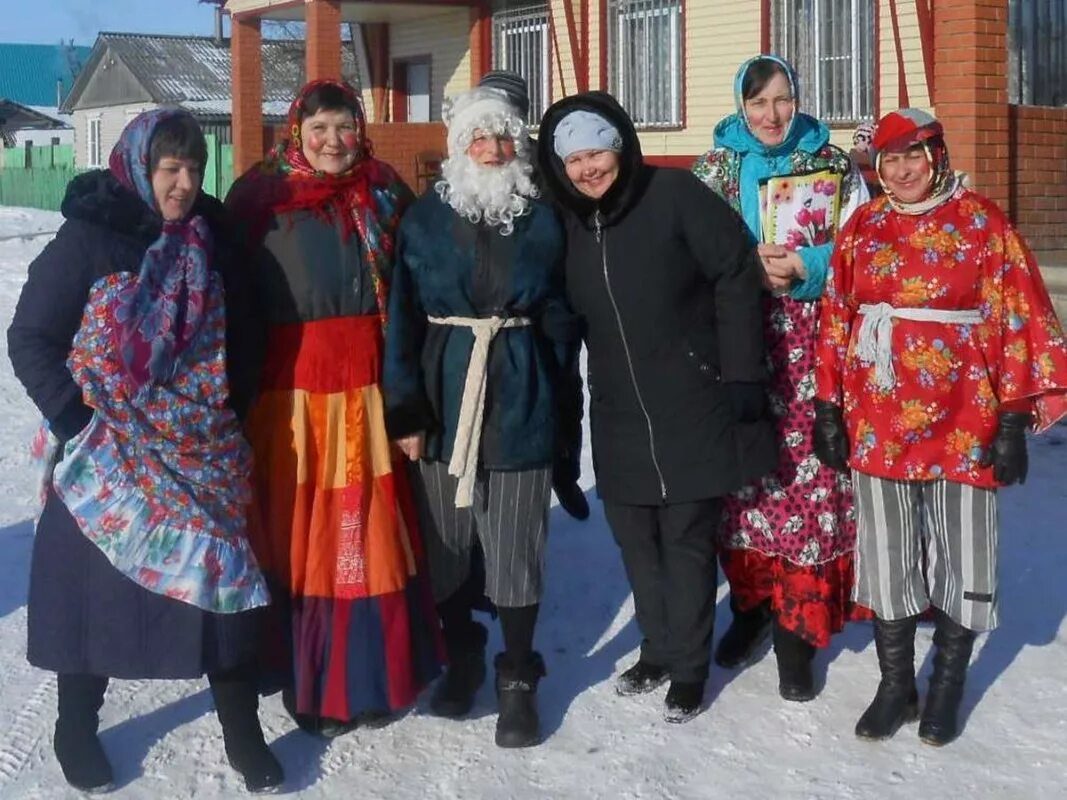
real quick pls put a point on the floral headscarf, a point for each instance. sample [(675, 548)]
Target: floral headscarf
[(368, 198), (161, 312), (901, 130)]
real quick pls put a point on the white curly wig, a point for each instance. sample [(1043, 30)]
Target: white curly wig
[(495, 195)]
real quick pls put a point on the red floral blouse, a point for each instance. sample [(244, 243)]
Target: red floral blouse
[(951, 379)]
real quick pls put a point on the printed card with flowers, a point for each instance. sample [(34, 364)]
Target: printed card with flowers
[(801, 210)]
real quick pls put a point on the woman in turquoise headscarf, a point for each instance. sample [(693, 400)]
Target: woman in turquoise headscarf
[(787, 541)]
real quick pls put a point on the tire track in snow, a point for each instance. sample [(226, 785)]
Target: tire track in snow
[(24, 734)]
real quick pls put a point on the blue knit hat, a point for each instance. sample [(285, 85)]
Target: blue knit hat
[(585, 130)]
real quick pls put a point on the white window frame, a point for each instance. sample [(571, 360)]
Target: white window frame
[(525, 23), (94, 150), (624, 79), (853, 100)]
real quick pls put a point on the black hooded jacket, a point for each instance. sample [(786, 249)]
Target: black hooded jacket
[(667, 283)]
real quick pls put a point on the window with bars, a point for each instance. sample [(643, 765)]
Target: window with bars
[(93, 151), (831, 45), (645, 60), (1037, 52), (521, 44)]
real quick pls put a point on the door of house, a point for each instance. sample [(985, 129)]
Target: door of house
[(411, 90), (419, 91)]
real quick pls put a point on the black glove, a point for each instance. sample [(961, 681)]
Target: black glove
[(829, 439), (748, 400), (572, 499), (1007, 454)]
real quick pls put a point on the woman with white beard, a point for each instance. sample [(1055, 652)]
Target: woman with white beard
[(478, 338)]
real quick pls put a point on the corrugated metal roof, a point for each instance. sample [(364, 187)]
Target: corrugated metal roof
[(176, 69), (273, 110), (29, 73)]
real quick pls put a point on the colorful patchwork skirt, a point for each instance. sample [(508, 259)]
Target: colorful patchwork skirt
[(336, 531)]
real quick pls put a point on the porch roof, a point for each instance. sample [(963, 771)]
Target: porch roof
[(351, 10)]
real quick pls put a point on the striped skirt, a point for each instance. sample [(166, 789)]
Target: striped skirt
[(335, 530)]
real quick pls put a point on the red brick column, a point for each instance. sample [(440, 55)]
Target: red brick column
[(247, 87), (323, 39), (971, 80), (481, 40)]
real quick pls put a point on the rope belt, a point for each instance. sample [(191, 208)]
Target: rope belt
[(875, 344), (464, 463)]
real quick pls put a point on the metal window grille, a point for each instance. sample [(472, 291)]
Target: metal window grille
[(94, 149), (1037, 52), (645, 60), (831, 44), (521, 44)]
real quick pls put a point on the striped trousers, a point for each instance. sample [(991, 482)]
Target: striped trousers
[(510, 518), (922, 543)]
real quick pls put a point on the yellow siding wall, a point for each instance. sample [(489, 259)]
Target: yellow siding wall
[(445, 37), (719, 35), (914, 71), (564, 77)]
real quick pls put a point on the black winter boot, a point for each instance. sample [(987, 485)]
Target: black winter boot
[(795, 679), (641, 678), (516, 690), (747, 631), (897, 700), (454, 695), (684, 701), (953, 645), (237, 705), (78, 749)]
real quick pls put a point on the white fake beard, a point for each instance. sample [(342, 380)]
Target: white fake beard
[(495, 195)]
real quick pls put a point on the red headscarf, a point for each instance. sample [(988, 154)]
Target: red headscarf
[(368, 199)]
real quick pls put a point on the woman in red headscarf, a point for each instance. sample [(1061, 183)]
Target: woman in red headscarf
[(938, 347), (336, 533)]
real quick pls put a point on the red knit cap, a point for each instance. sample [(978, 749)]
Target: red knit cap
[(899, 130)]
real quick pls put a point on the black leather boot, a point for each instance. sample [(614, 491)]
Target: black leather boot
[(237, 705), (78, 748), (641, 678), (897, 700), (518, 724), (454, 694), (684, 701), (796, 682), (952, 654), (747, 631)]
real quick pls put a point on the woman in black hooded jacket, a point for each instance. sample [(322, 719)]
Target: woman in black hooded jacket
[(663, 274)]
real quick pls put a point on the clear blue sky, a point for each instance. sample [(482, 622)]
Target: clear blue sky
[(49, 21)]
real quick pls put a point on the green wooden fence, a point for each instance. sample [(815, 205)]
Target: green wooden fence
[(37, 177)]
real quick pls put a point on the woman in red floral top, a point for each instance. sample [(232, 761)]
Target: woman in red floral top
[(938, 347)]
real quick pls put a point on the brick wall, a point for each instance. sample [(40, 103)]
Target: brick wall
[(247, 83), (397, 143), (971, 89), (323, 39), (1039, 189)]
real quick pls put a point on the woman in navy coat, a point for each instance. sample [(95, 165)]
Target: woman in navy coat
[(132, 337)]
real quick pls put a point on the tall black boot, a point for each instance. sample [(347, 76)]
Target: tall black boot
[(519, 724), (897, 700), (795, 679), (237, 706), (747, 631), (78, 748), (952, 654), (453, 696)]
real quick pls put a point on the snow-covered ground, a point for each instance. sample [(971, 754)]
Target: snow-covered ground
[(165, 742)]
